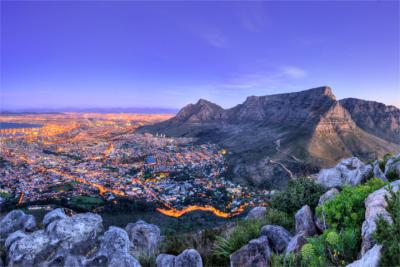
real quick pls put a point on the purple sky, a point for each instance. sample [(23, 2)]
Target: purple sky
[(166, 54)]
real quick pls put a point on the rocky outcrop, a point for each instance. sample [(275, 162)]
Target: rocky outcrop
[(68, 241), (256, 213), (14, 221), (28, 249), (350, 171), (319, 220), (369, 259), (304, 221), (256, 253), (377, 172), (188, 258), (296, 243), (114, 250), (144, 237), (392, 168), (375, 205), (278, 237), (54, 215)]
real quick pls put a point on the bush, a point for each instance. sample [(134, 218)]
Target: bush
[(282, 260), (344, 215), (388, 234), (382, 162), (299, 192), (245, 231), (240, 236)]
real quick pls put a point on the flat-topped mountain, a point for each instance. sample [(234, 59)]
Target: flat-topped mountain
[(272, 138)]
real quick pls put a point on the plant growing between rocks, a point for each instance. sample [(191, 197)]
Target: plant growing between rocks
[(388, 234)]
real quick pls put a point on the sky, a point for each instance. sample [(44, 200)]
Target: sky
[(119, 54)]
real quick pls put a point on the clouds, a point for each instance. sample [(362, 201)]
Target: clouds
[(214, 38), (293, 72), (270, 77)]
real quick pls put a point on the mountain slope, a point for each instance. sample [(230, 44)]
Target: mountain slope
[(271, 138)]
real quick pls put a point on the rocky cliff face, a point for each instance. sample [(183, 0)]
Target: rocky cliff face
[(267, 135), (375, 118)]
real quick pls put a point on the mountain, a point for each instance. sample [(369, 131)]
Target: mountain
[(275, 137)]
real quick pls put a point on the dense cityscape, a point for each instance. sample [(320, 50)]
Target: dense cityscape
[(92, 159)]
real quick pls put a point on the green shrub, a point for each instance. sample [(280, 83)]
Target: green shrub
[(282, 260), (392, 176), (245, 231), (237, 238), (347, 208), (344, 214), (388, 234), (299, 192)]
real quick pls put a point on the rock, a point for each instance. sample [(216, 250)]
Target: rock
[(188, 258), (14, 237), (165, 260), (32, 249), (350, 171), (331, 193), (114, 249), (256, 213), (255, 254), (375, 205), (370, 259), (1, 263), (392, 168), (75, 234), (16, 220), (296, 243), (54, 215), (320, 221), (378, 173), (144, 237), (304, 221), (278, 237)]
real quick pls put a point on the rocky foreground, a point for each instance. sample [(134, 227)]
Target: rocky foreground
[(81, 240)]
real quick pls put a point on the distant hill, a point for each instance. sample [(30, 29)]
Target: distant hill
[(271, 138)]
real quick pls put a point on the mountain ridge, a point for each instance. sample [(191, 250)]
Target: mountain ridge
[(311, 125)]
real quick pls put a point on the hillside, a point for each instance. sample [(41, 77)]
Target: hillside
[(267, 135)]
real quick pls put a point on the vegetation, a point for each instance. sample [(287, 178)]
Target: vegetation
[(245, 231), (282, 260), (299, 192), (86, 203), (383, 161), (344, 214), (388, 234)]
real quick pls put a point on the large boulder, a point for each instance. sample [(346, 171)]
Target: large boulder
[(370, 259), (29, 249), (378, 173), (54, 215), (350, 171), (296, 243), (375, 205), (144, 237), (256, 213), (188, 258), (255, 254), (165, 260), (392, 168), (320, 220), (304, 221), (278, 237), (16, 220), (114, 250), (76, 234)]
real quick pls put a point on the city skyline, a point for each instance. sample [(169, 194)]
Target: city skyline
[(83, 54)]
